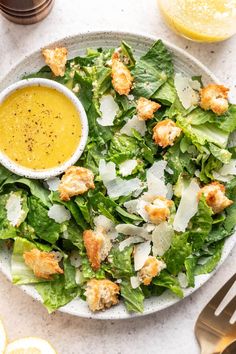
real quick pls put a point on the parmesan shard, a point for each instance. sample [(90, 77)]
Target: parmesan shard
[(127, 167), (184, 87), (53, 183), (141, 253), (135, 282), (121, 187), (15, 212), (134, 123), (105, 225), (129, 241), (132, 230), (59, 213), (109, 109), (107, 171), (188, 206), (161, 238)]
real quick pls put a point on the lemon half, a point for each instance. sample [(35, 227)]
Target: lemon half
[(30, 345)]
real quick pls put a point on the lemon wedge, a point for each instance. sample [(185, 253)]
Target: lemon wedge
[(3, 338), (30, 345), (200, 20)]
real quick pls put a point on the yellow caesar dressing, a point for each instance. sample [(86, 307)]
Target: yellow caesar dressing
[(39, 127)]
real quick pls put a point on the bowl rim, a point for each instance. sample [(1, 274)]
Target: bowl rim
[(53, 171)]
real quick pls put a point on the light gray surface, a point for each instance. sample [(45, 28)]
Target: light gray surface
[(170, 331)]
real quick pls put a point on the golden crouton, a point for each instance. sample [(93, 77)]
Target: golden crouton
[(215, 196), (121, 77), (159, 210), (151, 268), (214, 97), (146, 108), (76, 180), (165, 133), (97, 246), (56, 60), (43, 264), (101, 294)]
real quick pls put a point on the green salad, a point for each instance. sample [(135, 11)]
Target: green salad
[(159, 199)]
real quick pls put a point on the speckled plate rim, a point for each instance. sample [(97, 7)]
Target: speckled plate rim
[(185, 63)]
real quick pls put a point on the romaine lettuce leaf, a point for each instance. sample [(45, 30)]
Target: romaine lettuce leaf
[(35, 187), (45, 228), (21, 273), (160, 57), (203, 133), (166, 94), (165, 280), (120, 262), (59, 292), (200, 225), (180, 249), (210, 262), (133, 298)]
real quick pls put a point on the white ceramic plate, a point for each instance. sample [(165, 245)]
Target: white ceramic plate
[(77, 45)]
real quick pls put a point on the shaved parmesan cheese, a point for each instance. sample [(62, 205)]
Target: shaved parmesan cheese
[(118, 187), (134, 123), (195, 84), (59, 213), (188, 206), (79, 278), (186, 93), (228, 169), (183, 281), (15, 212), (107, 171), (53, 183), (65, 234), (109, 109), (158, 169), (131, 206), (169, 170), (130, 97), (141, 254), (132, 230), (156, 179), (221, 178), (161, 238), (141, 209), (105, 225), (135, 282), (75, 259), (127, 167), (156, 186), (129, 241), (149, 227)]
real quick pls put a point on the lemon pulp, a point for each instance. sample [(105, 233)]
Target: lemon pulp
[(201, 20)]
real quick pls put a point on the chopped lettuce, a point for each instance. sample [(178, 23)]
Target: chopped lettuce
[(59, 292), (165, 280), (133, 298), (120, 262), (45, 228), (180, 249), (21, 273)]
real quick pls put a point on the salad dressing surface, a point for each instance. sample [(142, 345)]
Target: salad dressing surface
[(39, 127)]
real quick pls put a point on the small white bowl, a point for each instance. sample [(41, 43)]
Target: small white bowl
[(51, 172)]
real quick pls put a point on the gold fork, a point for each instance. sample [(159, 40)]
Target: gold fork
[(215, 333)]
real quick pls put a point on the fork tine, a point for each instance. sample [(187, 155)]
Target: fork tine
[(228, 311), (216, 300)]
